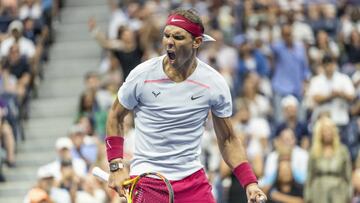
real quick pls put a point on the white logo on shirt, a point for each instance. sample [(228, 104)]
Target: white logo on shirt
[(176, 20)]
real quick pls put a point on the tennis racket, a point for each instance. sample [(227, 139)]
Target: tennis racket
[(147, 187)]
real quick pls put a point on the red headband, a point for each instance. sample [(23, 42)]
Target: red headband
[(184, 23)]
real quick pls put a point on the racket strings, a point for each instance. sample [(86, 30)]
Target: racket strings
[(150, 190)]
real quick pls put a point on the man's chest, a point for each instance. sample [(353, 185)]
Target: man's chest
[(175, 96)]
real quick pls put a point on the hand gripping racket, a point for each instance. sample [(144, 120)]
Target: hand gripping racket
[(147, 187)]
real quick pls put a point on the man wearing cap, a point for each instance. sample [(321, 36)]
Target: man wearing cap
[(63, 147), (290, 105), (26, 46), (45, 191), (170, 97)]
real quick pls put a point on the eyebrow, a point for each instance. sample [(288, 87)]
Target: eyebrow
[(175, 33)]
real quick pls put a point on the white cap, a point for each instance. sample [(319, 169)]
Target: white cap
[(289, 101), (15, 25), (63, 142), (44, 172)]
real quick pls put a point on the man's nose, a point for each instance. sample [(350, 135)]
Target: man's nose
[(170, 42)]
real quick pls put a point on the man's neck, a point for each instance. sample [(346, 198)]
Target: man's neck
[(179, 74), (329, 76)]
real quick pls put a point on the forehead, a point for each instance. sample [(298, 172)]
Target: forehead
[(171, 29)]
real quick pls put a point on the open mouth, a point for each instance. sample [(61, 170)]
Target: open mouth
[(171, 56)]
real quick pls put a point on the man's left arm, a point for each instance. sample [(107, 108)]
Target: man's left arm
[(234, 155)]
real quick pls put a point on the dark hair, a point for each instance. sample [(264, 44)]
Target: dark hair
[(328, 58), (190, 14), (65, 163)]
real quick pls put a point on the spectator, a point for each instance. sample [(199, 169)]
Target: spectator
[(285, 189), (91, 192), (259, 105), (329, 168), (302, 31), (45, 189), (30, 9), (324, 45), (26, 46), (84, 148), (37, 195), (63, 147), (126, 47), (285, 142), (18, 66), (88, 105), (69, 180), (291, 69), (250, 60), (290, 107), (92, 81), (352, 52), (332, 92)]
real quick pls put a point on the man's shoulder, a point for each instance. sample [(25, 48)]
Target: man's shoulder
[(341, 76), (316, 79)]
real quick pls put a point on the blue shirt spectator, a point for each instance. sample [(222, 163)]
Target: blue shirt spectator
[(291, 65)]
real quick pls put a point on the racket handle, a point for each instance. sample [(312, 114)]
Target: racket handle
[(98, 172)]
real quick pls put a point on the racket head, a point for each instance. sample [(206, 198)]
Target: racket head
[(149, 187)]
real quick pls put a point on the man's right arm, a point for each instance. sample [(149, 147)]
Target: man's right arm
[(114, 127), (115, 119)]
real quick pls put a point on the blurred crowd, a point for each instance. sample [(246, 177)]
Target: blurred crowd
[(293, 67), (26, 33)]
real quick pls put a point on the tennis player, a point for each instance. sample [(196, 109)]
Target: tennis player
[(170, 97)]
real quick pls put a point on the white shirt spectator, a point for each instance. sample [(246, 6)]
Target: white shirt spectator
[(33, 12), (27, 47), (299, 160), (79, 167), (338, 107)]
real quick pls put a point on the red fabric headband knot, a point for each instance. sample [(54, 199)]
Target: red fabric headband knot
[(180, 21)]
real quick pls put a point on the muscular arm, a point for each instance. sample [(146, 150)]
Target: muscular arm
[(234, 155), (115, 120), (230, 145)]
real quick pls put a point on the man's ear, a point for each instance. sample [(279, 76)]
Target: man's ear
[(197, 42)]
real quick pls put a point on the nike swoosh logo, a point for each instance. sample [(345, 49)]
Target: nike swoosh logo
[(108, 143), (193, 98), (176, 20)]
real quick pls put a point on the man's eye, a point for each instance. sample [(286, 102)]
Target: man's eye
[(166, 35), (178, 37)]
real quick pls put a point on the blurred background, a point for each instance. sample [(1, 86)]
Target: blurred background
[(293, 67)]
